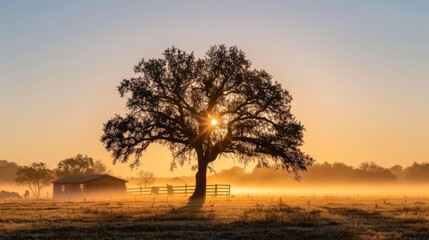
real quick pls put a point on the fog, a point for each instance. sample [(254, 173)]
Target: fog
[(320, 179), (334, 179), (378, 190), (10, 187)]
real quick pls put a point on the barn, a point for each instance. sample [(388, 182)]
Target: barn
[(81, 187)]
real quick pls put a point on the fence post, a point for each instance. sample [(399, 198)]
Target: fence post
[(186, 189), (140, 189), (215, 190), (229, 190)]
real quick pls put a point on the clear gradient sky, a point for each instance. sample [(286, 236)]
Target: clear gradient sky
[(358, 71)]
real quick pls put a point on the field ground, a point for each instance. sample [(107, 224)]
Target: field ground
[(241, 217)]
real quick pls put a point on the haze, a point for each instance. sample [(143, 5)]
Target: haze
[(357, 71)]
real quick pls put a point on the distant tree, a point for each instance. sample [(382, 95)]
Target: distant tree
[(99, 167), (373, 172), (145, 178), (329, 172), (397, 170), (371, 167), (205, 108), (339, 166), (418, 172), (234, 171), (79, 165), (36, 177), (8, 171)]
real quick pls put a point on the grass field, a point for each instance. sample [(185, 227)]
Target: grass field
[(241, 217)]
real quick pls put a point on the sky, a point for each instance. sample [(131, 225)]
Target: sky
[(358, 72)]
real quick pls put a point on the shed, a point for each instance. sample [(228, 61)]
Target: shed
[(88, 186)]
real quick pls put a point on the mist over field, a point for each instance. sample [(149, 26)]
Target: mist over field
[(324, 178), (320, 179)]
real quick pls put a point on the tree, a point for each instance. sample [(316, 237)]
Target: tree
[(99, 167), (418, 172), (145, 178), (7, 171), (373, 172), (371, 167), (397, 170), (205, 108), (36, 177), (79, 165)]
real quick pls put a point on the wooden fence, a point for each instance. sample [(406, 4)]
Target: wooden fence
[(185, 190)]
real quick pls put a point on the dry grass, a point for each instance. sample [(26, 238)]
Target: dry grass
[(244, 217)]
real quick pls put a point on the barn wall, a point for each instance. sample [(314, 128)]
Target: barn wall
[(99, 188), (106, 184), (58, 194)]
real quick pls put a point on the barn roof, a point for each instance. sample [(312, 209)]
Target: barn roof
[(84, 178)]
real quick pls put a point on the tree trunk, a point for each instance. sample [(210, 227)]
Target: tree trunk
[(200, 183)]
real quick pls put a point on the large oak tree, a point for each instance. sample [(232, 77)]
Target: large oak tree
[(204, 108)]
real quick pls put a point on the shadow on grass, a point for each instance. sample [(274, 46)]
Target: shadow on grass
[(195, 221), (194, 206), (375, 223)]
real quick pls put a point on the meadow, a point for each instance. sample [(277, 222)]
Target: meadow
[(236, 217)]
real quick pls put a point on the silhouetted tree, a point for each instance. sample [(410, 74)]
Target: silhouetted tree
[(371, 167), (7, 171), (397, 170), (36, 177), (145, 178), (99, 167), (418, 172), (329, 172), (205, 108), (373, 172), (319, 173), (79, 165)]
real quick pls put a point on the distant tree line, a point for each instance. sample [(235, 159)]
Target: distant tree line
[(331, 172), (8, 171), (37, 175)]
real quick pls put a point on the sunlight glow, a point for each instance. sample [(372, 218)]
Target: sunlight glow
[(214, 122)]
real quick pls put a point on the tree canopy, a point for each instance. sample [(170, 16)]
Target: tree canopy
[(205, 108), (417, 172), (36, 176), (8, 171), (145, 178), (79, 165)]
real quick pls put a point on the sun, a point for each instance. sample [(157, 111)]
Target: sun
[(214, 121)]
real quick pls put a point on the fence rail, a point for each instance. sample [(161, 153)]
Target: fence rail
[(211, 190)]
